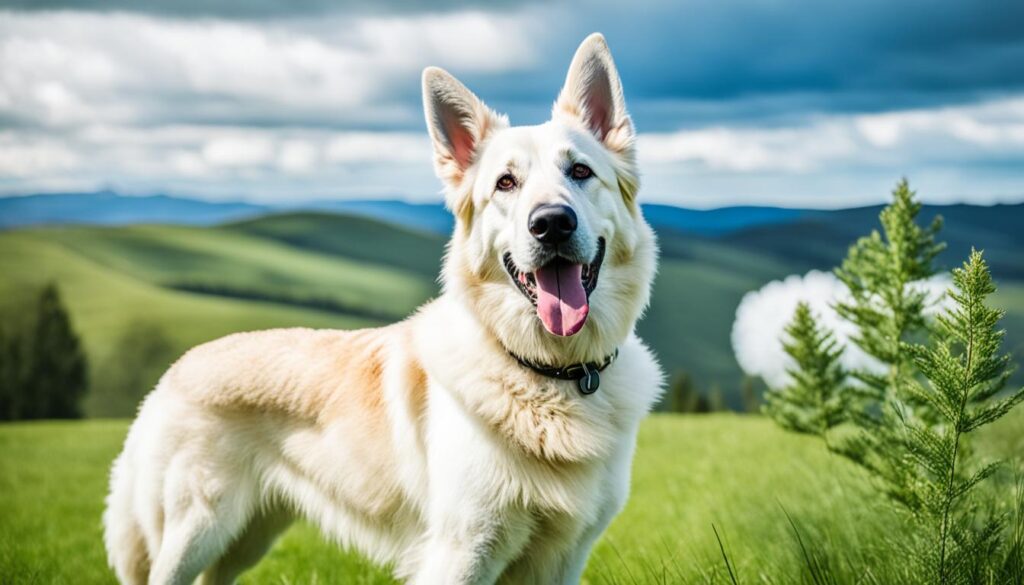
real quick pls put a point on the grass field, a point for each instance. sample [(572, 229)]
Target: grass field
[(693, 476)]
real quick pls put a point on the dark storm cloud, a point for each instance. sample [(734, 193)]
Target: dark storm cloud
[(691, 62), (736, 60)]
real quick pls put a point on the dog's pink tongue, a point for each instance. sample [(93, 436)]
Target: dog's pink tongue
[(561, 301)]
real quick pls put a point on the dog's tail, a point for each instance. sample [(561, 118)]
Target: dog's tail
[(127, 552)]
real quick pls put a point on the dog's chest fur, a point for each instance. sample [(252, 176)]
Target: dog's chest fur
[(539, 439)]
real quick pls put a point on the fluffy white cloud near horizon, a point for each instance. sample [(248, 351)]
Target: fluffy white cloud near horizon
[(762, 316)]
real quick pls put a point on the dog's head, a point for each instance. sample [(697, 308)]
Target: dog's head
[(550, 248)]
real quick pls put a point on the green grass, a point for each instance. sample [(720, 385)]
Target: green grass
[(693, 475), (172, 255)]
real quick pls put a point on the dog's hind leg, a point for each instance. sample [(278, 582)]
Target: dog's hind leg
[(204, 512), (250, 546), (190, 544), (127, 549)]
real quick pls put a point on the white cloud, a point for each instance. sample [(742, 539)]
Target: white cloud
[(353, 147), (744, 150), (62, 68), (297, 157), (30, 158), (762, 316), (258, 108), (997, 123), (970, 153), (262, 163), (891, 138), (467, 41), (238, 151)]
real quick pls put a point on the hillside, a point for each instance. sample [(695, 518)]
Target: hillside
[(191, 285), (358, 238), (317, 269), (818, 239)]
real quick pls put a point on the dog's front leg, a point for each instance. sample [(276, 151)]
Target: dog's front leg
[(571, 570), (616, 486), (470, 544), (473, 528)]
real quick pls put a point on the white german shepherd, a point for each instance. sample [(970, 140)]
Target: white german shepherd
[(487, 438)]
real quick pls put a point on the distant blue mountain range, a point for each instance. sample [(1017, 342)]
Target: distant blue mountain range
[(110, 208)]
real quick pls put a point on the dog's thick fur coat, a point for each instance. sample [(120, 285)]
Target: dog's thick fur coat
[(423, 444)]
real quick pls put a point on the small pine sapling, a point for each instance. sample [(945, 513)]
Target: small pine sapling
[(813, 402), (965, 374)]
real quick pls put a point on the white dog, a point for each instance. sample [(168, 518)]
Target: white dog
[(487, 438)]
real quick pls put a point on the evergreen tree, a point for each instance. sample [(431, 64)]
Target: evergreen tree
[(964, 372), (681, 395), (55, 365), (888, 312), (749, 394), (878, 272), (12, 377), (716, 399), (813, 402)]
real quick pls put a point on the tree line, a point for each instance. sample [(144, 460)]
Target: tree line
[(43, 369)]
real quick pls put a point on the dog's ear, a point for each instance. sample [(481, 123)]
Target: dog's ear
[(458, 123), (593, 95)]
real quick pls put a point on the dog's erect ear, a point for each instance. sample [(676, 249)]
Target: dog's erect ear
[(458, 123), (593, 95)]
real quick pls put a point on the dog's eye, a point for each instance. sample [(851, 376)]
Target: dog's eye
[(506, 183), (581, 171)]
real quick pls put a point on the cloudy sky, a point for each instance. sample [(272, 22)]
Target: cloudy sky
[(765, 102)]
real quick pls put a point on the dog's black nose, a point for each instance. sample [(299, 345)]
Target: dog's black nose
[(552, 224)]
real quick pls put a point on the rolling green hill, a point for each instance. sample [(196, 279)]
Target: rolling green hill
[(193, 284), (358, 238), (116, 279)]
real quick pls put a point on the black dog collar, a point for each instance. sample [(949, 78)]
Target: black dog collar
[(587, 375)]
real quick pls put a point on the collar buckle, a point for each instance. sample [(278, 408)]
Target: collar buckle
[(590, 381)]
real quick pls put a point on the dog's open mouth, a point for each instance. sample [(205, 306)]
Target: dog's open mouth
[(560, 290)]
